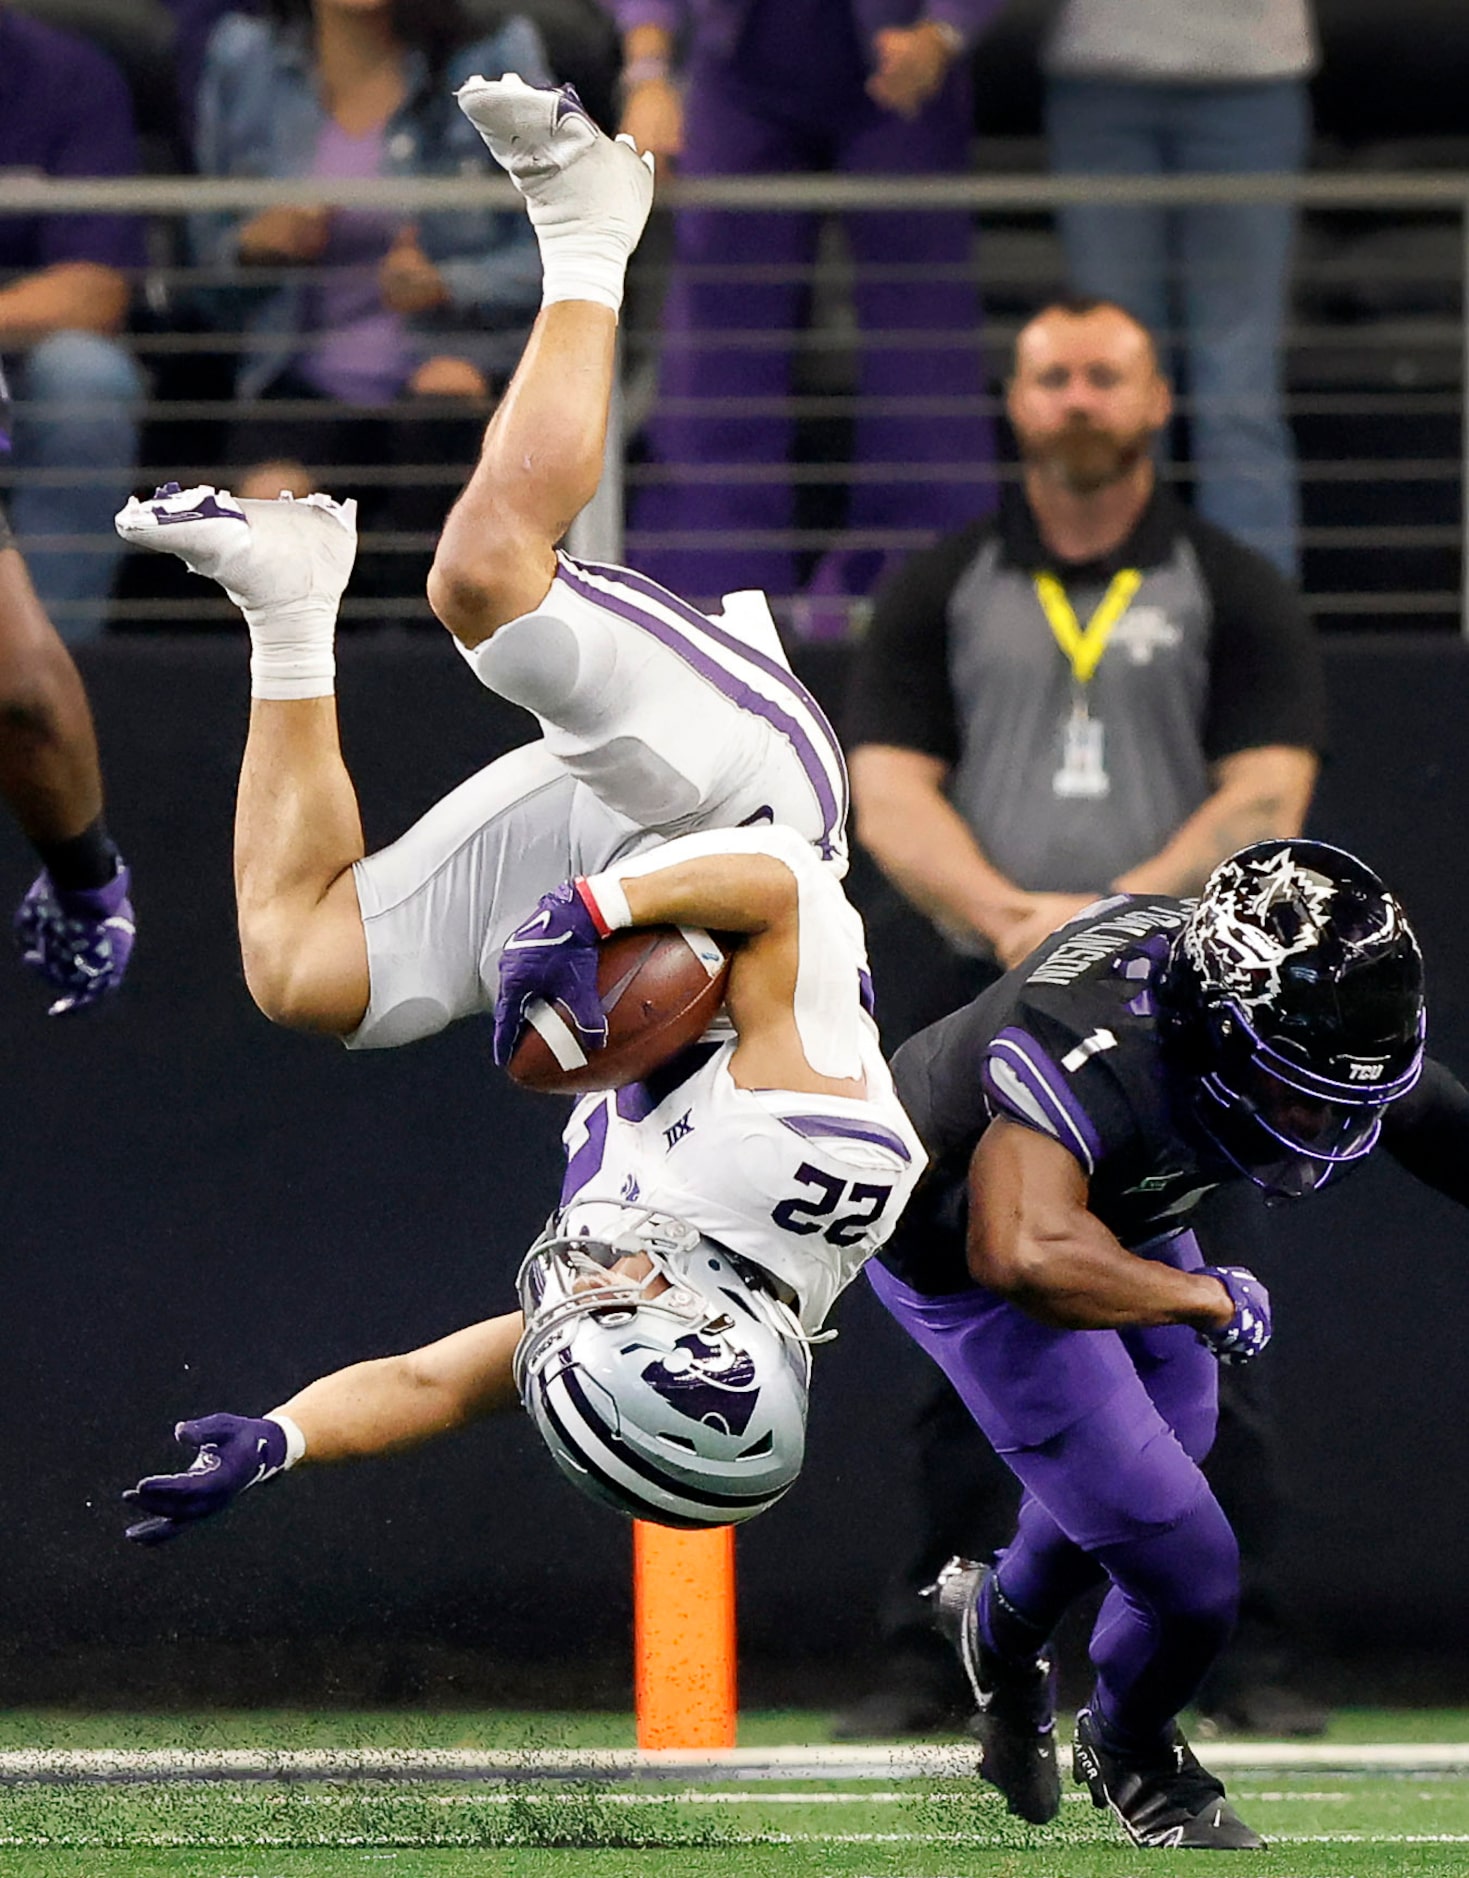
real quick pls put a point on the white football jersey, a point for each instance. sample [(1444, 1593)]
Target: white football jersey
[(807, 1187)]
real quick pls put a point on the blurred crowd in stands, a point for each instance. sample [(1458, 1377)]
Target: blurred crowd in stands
[(362, 349)]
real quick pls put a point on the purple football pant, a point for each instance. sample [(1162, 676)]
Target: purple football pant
[(735, 302), (1105, 1430)]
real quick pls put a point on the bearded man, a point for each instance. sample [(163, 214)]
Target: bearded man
[(1093, 692)]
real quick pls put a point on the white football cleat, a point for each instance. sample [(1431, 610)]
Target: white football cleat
[(558, 159), (266, 555)]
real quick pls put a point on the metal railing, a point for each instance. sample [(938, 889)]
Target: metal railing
[(1377, 352)]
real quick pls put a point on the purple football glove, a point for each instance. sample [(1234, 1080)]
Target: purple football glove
[(552, 955), (79, 940), (235, 1452), (1248, 1331)]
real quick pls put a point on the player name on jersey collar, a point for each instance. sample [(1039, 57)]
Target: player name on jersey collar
[(1073, 956)]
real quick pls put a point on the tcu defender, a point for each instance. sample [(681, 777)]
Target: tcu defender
[(656, 719), (708, 1219), (1076, 1113)]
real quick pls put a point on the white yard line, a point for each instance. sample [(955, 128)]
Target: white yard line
[(733, 1764), (693, 1796), (242, 1842)]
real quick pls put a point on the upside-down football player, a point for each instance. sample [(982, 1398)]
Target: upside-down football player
[(709, 1216), (730, 1238), (1076, 1113)]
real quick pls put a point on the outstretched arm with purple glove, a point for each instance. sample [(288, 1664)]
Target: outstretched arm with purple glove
[(75, 925), (369, 1408)]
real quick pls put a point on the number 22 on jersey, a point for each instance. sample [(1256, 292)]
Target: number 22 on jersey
[(807, 1214)]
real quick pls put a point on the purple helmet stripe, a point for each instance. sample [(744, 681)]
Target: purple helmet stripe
[(1311, 1082), (813, 1127), (1227, 1099), (1018, 1054), (820, 768)]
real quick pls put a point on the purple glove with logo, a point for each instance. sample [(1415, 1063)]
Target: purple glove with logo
[(79, 940), (1248, 1331), (235, 1452), (552, 955)]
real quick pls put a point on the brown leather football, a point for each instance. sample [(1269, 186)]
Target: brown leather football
[(660, 987)]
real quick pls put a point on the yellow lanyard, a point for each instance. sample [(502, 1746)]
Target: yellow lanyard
[(1084, 645)]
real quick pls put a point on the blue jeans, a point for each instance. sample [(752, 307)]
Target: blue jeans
[(1214, 278), (76, 440)]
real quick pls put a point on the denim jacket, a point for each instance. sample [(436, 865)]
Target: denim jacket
[(259, 115)]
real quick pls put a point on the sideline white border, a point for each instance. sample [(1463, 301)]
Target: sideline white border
[(120, 1765)]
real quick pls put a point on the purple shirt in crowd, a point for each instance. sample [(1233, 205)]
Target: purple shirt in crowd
[(65, 110), (718, 25), (361, 355), (773, 27)]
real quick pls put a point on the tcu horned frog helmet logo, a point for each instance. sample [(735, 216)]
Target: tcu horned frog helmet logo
[(1258, 913)]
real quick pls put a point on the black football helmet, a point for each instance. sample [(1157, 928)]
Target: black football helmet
[(1294, 995)]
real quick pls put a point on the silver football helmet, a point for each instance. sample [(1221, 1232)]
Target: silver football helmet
[(677, 1397)]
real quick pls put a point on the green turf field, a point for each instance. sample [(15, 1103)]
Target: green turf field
[(1324, 1821)]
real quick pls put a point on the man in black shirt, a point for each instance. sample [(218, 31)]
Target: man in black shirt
[(1076, 1114), (1093, 691)]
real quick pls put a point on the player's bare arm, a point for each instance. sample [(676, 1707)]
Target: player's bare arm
[(48, 750), (75, 923), (1259, 795), (757, 896), (1033, 1239), (761, 883), (393, 1402), (370, 1408)]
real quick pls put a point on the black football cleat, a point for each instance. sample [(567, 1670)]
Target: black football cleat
[(1166, 1800), (1016, 1719)]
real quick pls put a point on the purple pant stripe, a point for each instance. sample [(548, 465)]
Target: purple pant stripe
[(833, 800)]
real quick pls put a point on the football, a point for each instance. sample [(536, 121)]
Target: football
[(660, 987)]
